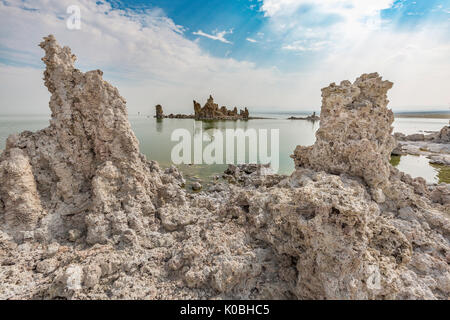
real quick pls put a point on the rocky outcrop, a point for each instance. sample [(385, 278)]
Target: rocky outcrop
[(84, 172), (159, 112), (355, 131), (312, 117), (244, 113), (442, 136), (180, 116), (435, 146), (390, 215), (83, 215), (344, 245), (211, 111)]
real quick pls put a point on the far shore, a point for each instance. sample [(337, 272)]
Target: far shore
[(426, 115)]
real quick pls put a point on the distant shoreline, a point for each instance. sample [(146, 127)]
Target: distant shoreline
[(266, 116), (426, 115)]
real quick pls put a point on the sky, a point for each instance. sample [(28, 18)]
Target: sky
[(267, 55)]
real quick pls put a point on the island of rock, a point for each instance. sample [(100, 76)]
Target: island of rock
[(159, 112), (312, 117), (83, 215), (210, 111)]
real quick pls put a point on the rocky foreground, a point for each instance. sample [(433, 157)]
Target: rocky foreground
[(85, 216)]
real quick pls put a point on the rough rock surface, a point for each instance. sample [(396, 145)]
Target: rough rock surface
[(354, 117), (434, 146), (211, 111), (84, 172), (84, 216), (438, 153), (442, 136)]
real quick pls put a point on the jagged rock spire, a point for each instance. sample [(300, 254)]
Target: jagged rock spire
[(355, 134)]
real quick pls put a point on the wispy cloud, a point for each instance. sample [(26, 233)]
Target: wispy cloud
[(219, 36), (345, 38), (143, 53), (150, 58), (356, 8), (303, 45), (251, 40), (324, 20)]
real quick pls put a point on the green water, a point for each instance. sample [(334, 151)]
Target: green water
[(419, 166), (443, 172), (155, 139)]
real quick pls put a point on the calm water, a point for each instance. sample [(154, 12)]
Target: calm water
[(155, 138)]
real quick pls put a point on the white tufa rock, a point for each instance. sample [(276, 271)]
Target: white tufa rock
[(101, 222)]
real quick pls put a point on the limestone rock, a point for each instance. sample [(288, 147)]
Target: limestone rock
[(19, 197), (84, 171), (441, 194), (443, 136), (355, 131), (67, 282)]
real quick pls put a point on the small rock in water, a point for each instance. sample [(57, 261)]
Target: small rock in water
[(196, 186)]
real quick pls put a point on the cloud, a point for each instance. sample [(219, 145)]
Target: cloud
[(304, 45), (327, 20), (355, 9), (152, 62), (417, 62), (349, 37), (219, 36), (144, 53), (251, 40)]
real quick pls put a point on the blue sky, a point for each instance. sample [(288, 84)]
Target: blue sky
[(253, 37), (242, 16), (264, 54)]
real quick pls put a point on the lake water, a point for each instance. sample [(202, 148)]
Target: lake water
[(155, 139)]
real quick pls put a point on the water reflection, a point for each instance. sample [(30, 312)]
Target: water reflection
[(159, 125), (155, 139), (419, 166), (209, 125)]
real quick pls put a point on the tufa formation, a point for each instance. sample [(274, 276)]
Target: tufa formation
[(211, 111), (83, 215), (159, 112)]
